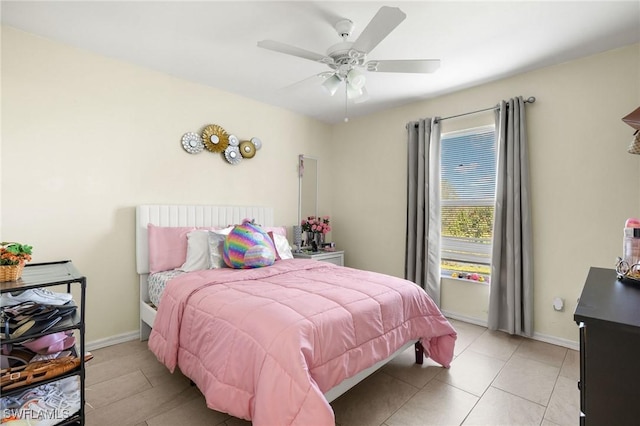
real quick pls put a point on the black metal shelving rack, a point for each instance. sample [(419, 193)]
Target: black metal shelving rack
[(38, 275)]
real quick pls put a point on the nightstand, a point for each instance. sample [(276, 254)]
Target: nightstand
[(335, 257)]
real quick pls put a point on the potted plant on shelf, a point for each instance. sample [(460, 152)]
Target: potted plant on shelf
[(13, 256)]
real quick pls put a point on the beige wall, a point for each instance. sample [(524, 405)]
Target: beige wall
[(584, 184), (86, 138)]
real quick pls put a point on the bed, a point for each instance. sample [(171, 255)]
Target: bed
[(276, 344)]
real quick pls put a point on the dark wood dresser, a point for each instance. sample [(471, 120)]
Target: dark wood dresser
[(608, 315)]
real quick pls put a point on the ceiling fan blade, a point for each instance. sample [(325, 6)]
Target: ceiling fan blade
[(404, 65), (385, 21), (312, 81), (293, 50)]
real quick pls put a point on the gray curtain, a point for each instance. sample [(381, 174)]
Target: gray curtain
[(422, 251), (511, 294)]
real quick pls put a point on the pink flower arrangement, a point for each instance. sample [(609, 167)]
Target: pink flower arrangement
[(318, 224)]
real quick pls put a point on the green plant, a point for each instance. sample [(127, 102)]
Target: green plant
[(14, 253), (467, 221)]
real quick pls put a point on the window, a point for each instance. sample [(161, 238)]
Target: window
[(468, 182)]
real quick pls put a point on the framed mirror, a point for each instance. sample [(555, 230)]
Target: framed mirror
[(308, 187)]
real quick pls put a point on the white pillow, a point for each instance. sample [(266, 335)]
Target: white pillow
[(282, 246), (197, 251), (216, 247)]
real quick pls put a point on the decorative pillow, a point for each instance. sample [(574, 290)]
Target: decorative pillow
[(216, 247), (167, 247), (197, 251), (248, 246), (273, 240), (278, 230), (283, 249)]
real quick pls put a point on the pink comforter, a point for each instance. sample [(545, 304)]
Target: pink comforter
[(265, 344)]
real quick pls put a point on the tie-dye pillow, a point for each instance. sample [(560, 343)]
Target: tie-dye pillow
[(248, 246)]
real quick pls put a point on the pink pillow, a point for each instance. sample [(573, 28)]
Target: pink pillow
[(167, 247), (273, 240), (280, 230), (275, 230)]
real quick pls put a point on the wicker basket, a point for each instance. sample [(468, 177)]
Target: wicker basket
[(634, 148), (11, 272)]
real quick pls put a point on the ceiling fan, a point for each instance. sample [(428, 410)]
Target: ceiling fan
[(347, 59)]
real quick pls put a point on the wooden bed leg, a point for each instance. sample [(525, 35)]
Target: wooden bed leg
[(419, 353)]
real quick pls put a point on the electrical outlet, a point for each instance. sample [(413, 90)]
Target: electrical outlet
[(558, 304)]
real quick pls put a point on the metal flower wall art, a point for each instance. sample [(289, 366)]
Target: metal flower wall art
[(215, 139)]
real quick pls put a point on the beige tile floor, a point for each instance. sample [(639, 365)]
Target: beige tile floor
[(495, 379)]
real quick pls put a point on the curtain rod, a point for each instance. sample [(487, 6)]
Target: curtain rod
[(529, 100)]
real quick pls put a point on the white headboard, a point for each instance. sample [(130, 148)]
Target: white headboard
[(190, 215)]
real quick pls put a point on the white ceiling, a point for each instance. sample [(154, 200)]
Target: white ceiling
[(214, 43)]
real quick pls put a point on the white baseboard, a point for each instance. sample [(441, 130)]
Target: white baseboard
[(113, 340), (558, 341), (464, 318)]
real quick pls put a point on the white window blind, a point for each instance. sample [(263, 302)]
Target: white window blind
[(468, 179)]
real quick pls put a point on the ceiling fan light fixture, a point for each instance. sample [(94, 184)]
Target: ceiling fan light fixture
[(356, 79), (353, 92), (331, 84)]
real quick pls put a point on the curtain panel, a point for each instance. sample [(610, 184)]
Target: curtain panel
[(511, 293), (422, 250)]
